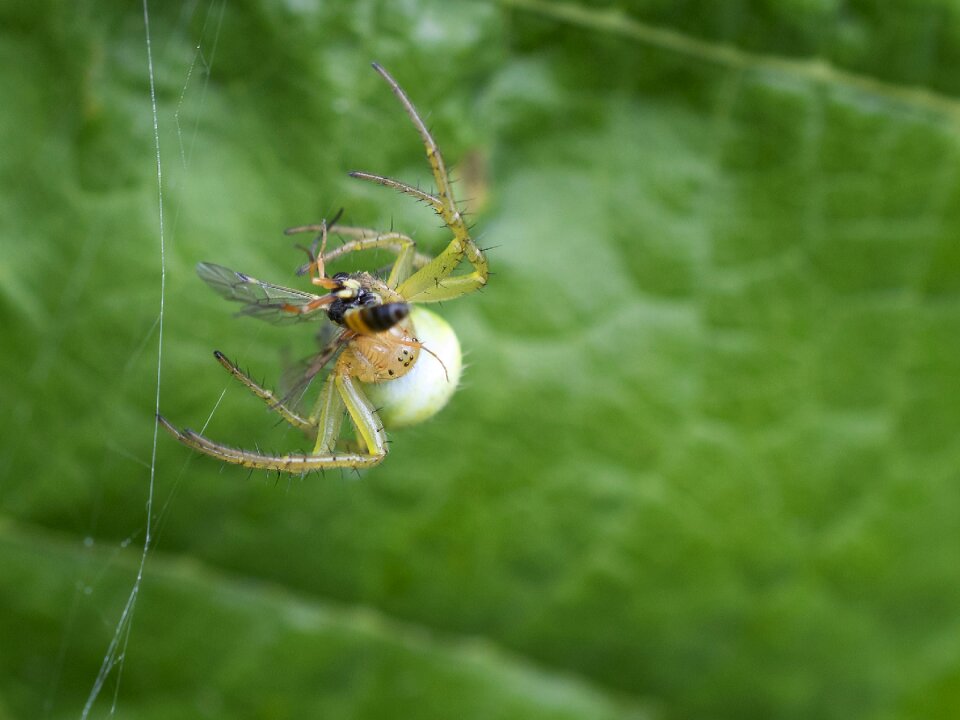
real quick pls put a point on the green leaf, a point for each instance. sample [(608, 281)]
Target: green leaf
[(705, 459), (255, 650)]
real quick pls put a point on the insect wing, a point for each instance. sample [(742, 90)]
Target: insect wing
[(273, 303), (297, 378)]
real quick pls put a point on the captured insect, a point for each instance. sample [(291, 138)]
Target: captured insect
[(394, 363)]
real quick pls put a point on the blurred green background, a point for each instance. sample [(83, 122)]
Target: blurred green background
[(705, 462)]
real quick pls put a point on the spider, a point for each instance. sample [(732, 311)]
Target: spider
[(396, 363)]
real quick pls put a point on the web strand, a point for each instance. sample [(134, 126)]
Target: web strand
[(122, 632)]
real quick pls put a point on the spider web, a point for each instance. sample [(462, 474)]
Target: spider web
[(184, 123), (112, 665)]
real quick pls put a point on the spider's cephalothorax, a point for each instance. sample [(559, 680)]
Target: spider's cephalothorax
[(396, 363)]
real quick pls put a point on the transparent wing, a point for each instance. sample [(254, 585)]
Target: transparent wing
[(263, 300), (297, 377)]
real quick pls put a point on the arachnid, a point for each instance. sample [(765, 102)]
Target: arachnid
[(393, 363)]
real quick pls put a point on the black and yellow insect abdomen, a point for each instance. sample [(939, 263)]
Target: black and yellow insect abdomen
[(375, 318)]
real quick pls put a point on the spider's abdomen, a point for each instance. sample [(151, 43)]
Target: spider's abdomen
[(430, 383)]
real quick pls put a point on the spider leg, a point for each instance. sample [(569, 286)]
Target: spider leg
[(327, 415), (421, 195), (293, 463), (272, 401), (364, 416), (402, 245), (432, 283), (361, 411), (407, 260), (444, 195)]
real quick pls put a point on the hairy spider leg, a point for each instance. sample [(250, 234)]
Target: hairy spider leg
[(322, 418), (325, 418), (338, 392), (433, 282), (364, 416), (272, 401), (328, 411), (402, 245)]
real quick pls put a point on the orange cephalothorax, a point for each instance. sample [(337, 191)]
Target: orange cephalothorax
[(377, 357)]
